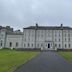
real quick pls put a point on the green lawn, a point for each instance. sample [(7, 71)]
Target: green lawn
[(11, 59), (66, 55)]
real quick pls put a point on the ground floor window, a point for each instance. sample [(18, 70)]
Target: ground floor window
[(37, 45), (1, 44), (28, 44), (48, 45), (10, 44), (65, 45), (55, 45), (24, 45), (69, 45), (16, 44), (32, 45)]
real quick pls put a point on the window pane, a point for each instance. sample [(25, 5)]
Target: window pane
[(32, 45), (65, 45), (28, 45), (59, 45), (10, 44), (16, 44), (24, 45), (1, 44), (59, 40), (55, 45), (69, 45), (69, 39)]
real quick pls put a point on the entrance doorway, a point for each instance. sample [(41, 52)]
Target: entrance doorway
[(48, 45)]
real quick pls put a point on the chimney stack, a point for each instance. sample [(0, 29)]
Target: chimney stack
[(61, 25), (36, 24)]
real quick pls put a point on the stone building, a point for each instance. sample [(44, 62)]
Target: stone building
[(10, 38), (45, 37)]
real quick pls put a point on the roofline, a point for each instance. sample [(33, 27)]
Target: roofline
[(49, 28)]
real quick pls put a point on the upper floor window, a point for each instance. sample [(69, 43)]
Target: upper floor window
[(32, 35), (65, 35), (68, 30), (55, 45), (59, 34), (55, 35), (59, 45), (2, 35), (55, 40), (65, 39), (24, 39), (41, 45), (41, 35), (49, 34), (25, 34), (42, 31), (68, 35), (59, 40), (69, 39)]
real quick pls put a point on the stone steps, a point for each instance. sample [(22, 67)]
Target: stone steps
[(50, 49)]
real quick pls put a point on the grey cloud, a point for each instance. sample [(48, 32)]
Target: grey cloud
[(22, 13)]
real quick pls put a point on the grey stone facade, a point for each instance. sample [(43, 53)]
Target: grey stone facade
[(44, 37)]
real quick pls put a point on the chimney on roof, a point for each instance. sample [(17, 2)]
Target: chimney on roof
[(0, 27), (11, 29), (36, 24), (19, 30), (61, 25), (8, 27)]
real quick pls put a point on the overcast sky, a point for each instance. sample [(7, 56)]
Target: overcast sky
[(23, 13)]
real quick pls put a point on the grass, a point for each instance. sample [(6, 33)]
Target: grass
[(66, 55), (11, 59)]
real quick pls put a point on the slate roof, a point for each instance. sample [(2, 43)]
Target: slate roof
[(49, 27), (14, 33), (10, 31)]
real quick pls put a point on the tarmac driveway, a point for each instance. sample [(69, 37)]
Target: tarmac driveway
[(46, 62)]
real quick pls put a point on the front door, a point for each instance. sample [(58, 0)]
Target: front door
[(48, 45)]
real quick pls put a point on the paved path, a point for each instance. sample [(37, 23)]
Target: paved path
[(47, 62)]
